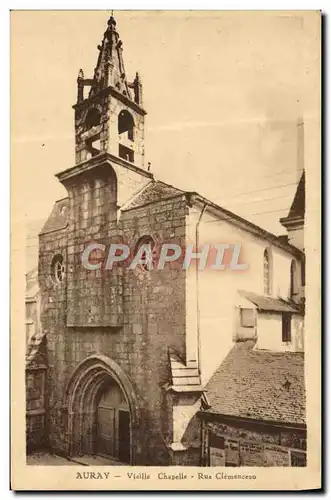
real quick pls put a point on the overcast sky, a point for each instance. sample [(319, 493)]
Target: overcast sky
[(223, 92)]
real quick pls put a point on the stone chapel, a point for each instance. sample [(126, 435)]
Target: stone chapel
[(127, 353)]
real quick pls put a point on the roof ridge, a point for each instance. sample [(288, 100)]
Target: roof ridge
[(170, 185)]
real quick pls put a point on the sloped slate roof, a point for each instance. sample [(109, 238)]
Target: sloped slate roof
[(154, 191), (58, 218), (297, 210), (259, 385), (264, 303), (298, 206)]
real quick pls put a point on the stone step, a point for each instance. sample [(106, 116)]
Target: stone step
[(95, 460)]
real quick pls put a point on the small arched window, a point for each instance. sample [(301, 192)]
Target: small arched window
[(146, 254), (294, 279), (125, 124), (267, 272)]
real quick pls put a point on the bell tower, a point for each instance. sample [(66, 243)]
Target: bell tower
[(109, 128), (109, 117)]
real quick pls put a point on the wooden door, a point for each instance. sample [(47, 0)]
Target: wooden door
[(113, 424), (124, 436), (106, 431)]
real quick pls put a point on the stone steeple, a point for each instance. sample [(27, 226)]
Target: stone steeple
[(109, 117), (109, 70)]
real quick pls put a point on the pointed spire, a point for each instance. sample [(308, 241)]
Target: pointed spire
[(109, 70)]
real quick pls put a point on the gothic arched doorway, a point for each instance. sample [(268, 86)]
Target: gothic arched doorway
[(102, 411)]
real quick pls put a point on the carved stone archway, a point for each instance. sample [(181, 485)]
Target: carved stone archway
[(81, 399)]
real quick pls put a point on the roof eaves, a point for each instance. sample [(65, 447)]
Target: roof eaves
[(210, 414)]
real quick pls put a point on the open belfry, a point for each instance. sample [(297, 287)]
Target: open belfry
[(129, 366)]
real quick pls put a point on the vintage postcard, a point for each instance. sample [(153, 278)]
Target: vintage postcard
[(166, 186)]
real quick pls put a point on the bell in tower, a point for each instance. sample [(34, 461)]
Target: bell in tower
[(109, 117)]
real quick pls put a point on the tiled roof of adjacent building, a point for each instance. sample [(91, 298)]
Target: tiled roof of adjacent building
[(264, 303), (154, 191), (259, 385), (58, 218)]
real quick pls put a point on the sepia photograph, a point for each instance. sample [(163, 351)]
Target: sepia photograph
[(166, 185)]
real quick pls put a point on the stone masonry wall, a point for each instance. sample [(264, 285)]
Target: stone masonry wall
[(248, 444), (154, 311), (35, 408), (93, 297), (53, 323)]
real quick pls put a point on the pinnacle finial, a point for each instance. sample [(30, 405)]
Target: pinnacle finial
[(138, 91), (111, 20), (80, 86)]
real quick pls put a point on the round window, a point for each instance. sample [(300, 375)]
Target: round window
[(57, 269), (146, 250)]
